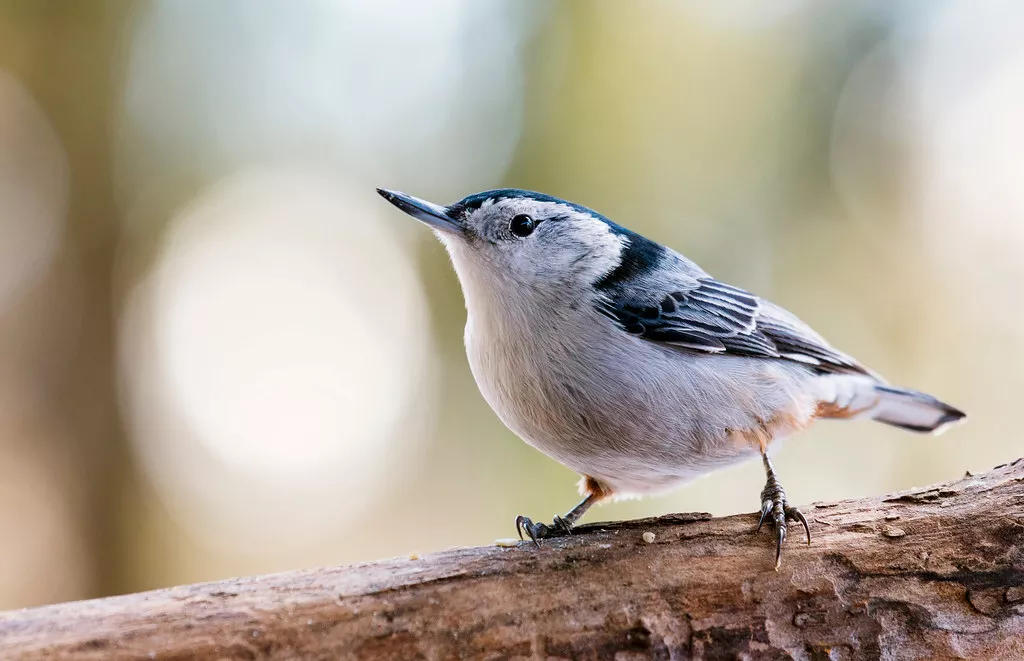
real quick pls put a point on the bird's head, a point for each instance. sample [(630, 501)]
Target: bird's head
[(526, 239)]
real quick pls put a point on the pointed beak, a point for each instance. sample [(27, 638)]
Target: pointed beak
[(431, 214)]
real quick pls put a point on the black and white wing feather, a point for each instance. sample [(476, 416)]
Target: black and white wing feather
[(663, 297)]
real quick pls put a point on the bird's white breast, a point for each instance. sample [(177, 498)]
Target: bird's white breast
[(639, 416)]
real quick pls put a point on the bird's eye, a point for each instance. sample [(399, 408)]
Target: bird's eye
[(522, 225)]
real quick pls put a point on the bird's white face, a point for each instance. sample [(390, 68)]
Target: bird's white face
[(536, 243), (529, 240)]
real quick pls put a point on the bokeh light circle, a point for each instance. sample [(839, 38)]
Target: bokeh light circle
[(426, 94), (279, 345)]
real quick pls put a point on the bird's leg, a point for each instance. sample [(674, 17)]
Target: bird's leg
[(775, 506), (561, 524)]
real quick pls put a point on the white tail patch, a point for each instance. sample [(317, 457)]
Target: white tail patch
[(914, 410), (862, 397)]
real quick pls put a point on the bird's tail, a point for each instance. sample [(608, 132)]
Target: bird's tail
[(849, 397), (912, 410)]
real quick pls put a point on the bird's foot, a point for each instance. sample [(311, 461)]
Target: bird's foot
[(776, 509), (539, 531)]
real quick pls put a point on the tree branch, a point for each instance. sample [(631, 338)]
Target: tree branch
[(932, 573)]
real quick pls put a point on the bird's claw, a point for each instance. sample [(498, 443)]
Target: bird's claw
[(535, 531), (776, 509), (539, 531)]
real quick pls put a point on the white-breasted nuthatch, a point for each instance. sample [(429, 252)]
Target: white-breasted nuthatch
[(626, 362)]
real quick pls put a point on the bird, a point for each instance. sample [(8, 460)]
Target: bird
[(628, 363)]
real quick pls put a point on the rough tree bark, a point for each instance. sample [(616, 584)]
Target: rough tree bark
[(932, 573)]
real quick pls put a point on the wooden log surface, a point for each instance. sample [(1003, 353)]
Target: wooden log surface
[(933, 573)]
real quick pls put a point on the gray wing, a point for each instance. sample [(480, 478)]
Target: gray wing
[(678, 304)]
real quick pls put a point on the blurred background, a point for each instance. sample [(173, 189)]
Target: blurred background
[(222, 354)]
